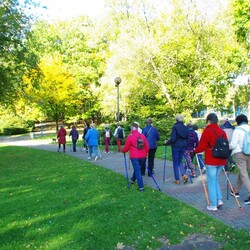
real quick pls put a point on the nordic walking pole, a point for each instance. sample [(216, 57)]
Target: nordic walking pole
[(153, 178), (126, 169), (202, 179), (165, 161), (99, 152), (227, 188), (231, 187)]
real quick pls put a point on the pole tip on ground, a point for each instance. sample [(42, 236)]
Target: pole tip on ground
[(241, 209)]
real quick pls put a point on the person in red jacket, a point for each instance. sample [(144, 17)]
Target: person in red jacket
[(61, 136), (137, 155), (214, 165)]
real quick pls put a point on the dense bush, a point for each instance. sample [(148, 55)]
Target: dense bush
[(15, 131)]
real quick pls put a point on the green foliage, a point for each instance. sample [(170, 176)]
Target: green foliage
[(14, 131), (50, 200), (15, 57), (241, 12)]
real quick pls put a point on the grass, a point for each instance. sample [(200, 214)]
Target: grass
[(55, 201)]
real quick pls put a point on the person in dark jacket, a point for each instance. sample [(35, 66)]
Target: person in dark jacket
[(152, 135), (228, 128), (191, 145), (178, 142), (85, 131), (74, 136), (214, 165)]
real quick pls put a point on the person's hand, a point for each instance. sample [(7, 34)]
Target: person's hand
[(167, 142)]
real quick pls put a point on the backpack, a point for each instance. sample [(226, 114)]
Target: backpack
[(246, 142), (192, 138), (120, 133), (107, 134), (140, 143), (221, 147)]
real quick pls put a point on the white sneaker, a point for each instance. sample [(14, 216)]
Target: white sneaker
[(212, 208), (89, 158), (96, 158), (220, 203)]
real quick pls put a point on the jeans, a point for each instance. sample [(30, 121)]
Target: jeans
[(91, 150), (137, 163), (214, 190), (74, 144), (177, 155)]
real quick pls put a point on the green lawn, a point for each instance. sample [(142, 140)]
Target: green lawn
[(54, 201)]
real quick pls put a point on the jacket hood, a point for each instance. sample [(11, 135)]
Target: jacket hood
[(227, 124)]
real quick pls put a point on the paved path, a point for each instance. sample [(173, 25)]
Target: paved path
[(190, 193)]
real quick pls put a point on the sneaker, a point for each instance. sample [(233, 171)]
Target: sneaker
[(177, 182), (220, 203), (212, 208), (231, 167), (89, 158), (185, 178), (203, 171), (193, 174), (132, 182), (236, 194), (247, 201), (141, 189), (96, 158)]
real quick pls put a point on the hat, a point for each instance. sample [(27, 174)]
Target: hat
[(135, 124)]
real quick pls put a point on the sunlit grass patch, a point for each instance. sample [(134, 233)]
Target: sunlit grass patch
[(55, 201)]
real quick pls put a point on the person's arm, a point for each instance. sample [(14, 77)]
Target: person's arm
[(126, 147), (203, 144), (234, 140)]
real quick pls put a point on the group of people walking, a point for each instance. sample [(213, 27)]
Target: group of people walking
[(185, 142), (90, 138)]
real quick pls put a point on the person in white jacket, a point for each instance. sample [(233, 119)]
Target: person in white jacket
[(242, 160)]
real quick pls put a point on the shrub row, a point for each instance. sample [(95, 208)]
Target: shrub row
[(15, 131)]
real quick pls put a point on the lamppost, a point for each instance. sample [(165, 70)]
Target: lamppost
[(118, 80), (41, 125)]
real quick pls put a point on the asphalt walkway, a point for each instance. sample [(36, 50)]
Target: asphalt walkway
[(190, 193)]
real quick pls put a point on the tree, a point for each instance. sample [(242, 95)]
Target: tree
[(15, 58), (175, 63)]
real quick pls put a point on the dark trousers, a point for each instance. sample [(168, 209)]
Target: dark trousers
[(151, 159), (74, 144)]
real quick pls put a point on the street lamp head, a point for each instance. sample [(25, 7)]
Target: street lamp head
[(118, 80)]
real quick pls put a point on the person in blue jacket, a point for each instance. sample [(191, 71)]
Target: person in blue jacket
[(92, 141), (152, 135), (75, 135), (178, 142)]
